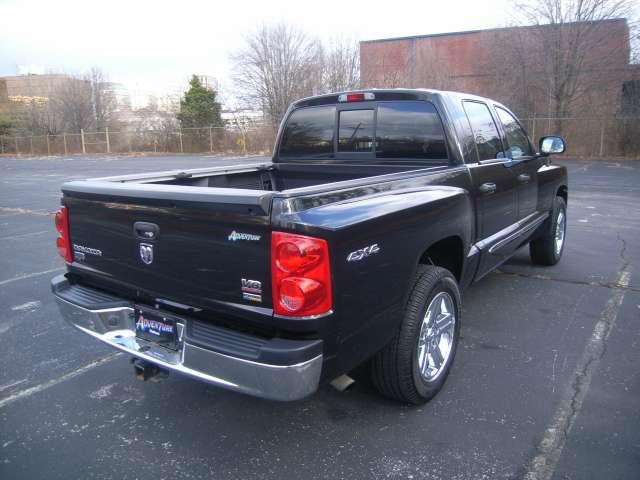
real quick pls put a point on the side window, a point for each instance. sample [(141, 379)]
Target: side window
[(484, 130), (516, 138)]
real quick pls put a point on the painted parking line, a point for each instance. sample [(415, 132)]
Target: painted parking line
[(23, 235), (25, 211), (29, 275), (51, 383), (543, 465)]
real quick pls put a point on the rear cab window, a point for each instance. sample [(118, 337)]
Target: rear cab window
[(309, 133), (356, 131), (392, 130)]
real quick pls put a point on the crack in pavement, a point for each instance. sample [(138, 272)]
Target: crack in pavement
[(533, 276), (623, 250)]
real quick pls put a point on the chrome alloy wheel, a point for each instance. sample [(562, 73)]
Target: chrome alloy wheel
[(436, 336), (560, 231)]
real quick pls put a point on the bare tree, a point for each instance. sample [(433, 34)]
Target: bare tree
[(103, 101), (73, 99), (158, 114), (513, 67), (341, 66), (156, 123), (634, 28), (278, 64), (567, 33)]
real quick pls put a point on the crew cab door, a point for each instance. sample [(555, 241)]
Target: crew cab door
[(525, 164), (494, 187)]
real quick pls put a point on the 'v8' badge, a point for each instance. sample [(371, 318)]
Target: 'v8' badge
[(146, 253)]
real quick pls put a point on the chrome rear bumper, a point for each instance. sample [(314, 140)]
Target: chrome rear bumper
[(116, 327)]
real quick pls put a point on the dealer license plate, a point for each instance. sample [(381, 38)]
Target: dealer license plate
[(156, 327)]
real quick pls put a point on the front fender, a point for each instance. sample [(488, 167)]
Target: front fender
[(551, 178)]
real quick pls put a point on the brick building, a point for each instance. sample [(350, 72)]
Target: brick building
[(512, 65), (27, 88)]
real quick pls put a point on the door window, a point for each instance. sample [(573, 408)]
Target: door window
[(485, 132), (517, 140)]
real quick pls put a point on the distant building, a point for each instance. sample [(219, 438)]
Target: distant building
[(4, 95), (243, 118), (118, 92), (28, 88), (506, 64)]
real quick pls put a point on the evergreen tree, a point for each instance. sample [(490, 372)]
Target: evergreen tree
[(199, 107)]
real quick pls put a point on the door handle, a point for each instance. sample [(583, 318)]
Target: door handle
[(146, 230), (488, 188), (524, 178)]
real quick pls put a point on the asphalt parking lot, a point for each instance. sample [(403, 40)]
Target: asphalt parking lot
[(546, 383)]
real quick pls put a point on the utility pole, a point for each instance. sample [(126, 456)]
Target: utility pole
[(602, 137), (84, 148), (106, 134), (533, 128)]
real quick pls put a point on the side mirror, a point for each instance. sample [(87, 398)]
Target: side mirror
[(552, 144)]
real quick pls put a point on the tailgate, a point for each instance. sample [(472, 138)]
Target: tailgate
[(206, 249)]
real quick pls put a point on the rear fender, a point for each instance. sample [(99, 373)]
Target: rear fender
[(370, 291)]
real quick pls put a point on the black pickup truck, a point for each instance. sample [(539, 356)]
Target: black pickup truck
[(352, 245)]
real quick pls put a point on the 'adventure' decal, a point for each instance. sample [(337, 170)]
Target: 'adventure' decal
[(234, 236)]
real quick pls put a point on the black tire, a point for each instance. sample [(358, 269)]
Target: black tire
[(395, 370), (543, 249)]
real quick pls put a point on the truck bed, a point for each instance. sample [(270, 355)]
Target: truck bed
[(265, 177)]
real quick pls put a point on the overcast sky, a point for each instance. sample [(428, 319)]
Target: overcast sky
[(156, 45)]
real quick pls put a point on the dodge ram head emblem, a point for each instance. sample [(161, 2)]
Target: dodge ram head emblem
[(146, 253)]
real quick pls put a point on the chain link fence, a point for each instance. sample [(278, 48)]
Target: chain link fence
[(187, 140), (594, 137), (604, 137)]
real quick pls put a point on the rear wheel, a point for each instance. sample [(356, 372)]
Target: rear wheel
[(547, 249), (413, 367)]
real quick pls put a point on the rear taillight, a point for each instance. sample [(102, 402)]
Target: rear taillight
[(62, 242), (300, 274)]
